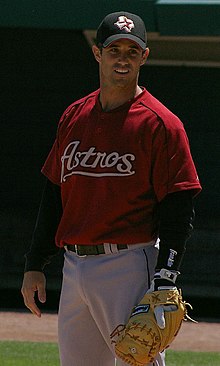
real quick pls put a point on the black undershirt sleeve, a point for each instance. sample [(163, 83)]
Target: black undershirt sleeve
[(176, 215), (43, 246)]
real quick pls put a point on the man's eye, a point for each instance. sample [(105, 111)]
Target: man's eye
[(133, 52), (114, 50)]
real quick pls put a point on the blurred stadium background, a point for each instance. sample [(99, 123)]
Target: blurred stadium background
[(46, 63)]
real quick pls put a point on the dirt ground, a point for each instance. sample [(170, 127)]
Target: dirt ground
[(23, 326)]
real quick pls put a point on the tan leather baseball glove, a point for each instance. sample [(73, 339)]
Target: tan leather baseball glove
[(139, 341)]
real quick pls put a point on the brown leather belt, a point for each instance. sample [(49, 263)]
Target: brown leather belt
[(84, 249)]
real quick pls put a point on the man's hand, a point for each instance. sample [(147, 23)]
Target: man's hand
[(34, 281), (163, 280)]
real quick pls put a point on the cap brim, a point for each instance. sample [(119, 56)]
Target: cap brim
[(132, 38)]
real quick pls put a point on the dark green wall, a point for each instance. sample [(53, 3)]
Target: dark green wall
[(70, 14), (42, 71), (167, 17)]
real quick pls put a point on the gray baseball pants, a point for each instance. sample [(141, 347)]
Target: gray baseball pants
[(98, 293)]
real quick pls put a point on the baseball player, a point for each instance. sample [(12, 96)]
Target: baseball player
[(120, 182)]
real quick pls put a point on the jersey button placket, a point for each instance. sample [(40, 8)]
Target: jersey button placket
[(99, 127), (99, 130)]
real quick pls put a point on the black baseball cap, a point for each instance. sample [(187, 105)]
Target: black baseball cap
[(121, 25)]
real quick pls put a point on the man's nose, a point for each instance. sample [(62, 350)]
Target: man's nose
[(123, 57)]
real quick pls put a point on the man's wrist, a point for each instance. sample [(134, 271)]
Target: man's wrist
[(166, 274), (33, 263)]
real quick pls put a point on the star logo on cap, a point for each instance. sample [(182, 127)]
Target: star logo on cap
[(124, 23)]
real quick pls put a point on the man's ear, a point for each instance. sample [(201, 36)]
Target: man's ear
[(97, 53), (145, 56)]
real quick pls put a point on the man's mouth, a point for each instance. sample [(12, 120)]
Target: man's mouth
[(122, 71)]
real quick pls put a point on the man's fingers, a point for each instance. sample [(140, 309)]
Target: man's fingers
[(34, 282), (29, 302), (170, 307), (159, 313)]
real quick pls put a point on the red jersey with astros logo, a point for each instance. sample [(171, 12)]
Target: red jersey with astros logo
[(114, 167)]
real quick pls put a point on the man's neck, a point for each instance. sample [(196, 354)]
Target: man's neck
[(111, 99)]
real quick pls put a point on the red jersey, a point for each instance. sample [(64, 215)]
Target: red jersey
[(114, 167)]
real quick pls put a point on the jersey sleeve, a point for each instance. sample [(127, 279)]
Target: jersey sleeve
[(52, 167), (173, 168)]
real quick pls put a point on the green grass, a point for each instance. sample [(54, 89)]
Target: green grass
[(174, 358), (28, 354), (46, 354)]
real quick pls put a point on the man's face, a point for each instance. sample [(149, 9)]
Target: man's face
[(120, 63)]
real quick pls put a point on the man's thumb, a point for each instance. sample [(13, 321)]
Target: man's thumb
[(42, 294)]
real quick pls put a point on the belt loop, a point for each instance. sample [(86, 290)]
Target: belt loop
[(114, 248), (107, 248)]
